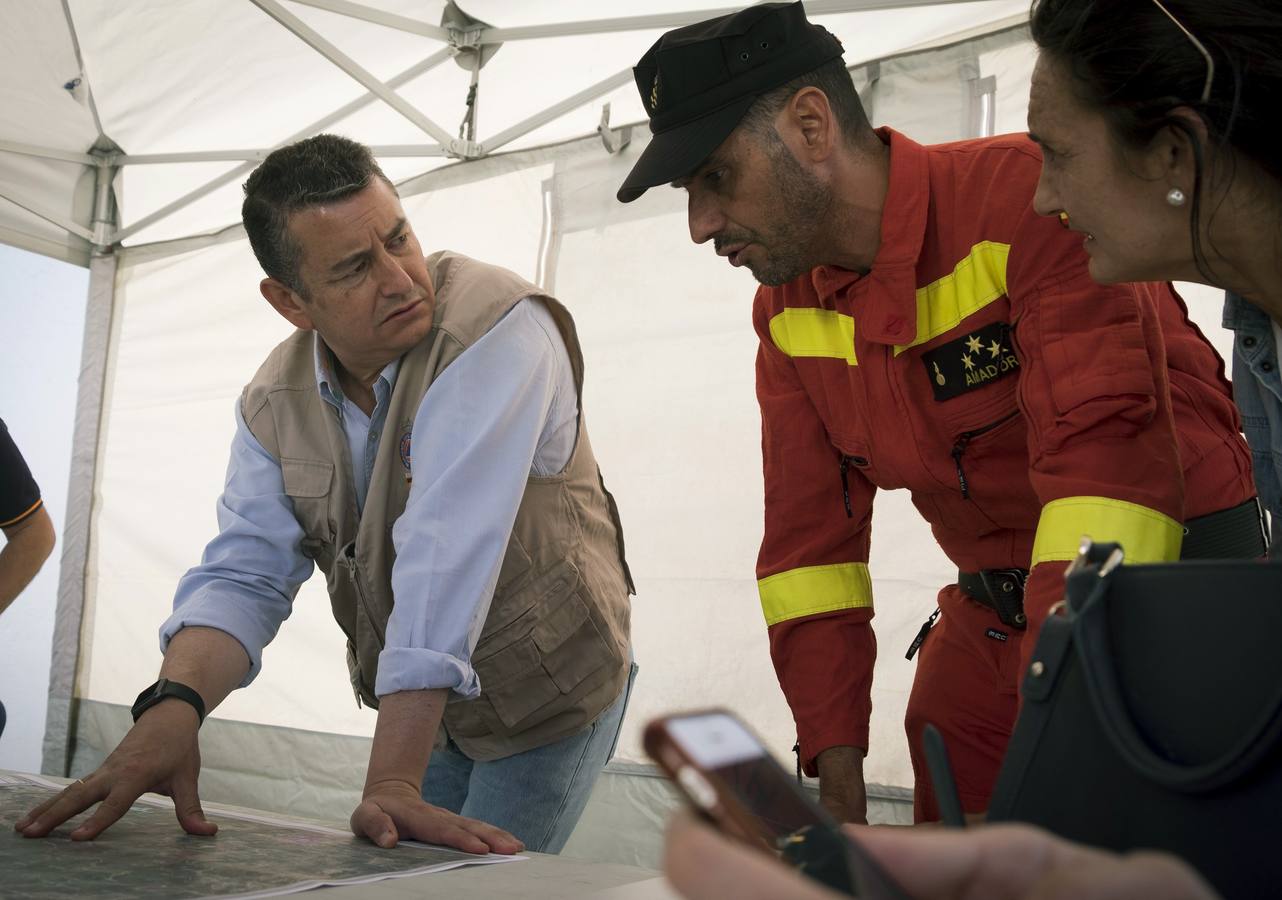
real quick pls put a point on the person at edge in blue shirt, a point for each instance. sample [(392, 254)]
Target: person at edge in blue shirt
[(493, 425), (1159, 133)]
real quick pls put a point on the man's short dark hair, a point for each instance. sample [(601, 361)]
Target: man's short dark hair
[(833, 78), (316, 170)]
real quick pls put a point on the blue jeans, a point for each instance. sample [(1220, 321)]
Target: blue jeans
[(537, 795)]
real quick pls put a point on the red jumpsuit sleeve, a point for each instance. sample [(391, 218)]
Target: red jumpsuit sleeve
[(1093, 388), (812, 569)]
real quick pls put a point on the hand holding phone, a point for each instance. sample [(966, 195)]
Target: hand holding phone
[(730, 779)]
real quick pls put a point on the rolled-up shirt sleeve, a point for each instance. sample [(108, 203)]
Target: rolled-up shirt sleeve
[(505, 407), (249, 574)]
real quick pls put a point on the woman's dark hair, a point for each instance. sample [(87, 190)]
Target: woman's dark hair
[(1136, 66)]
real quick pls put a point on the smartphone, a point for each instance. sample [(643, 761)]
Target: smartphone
[(727, 775)]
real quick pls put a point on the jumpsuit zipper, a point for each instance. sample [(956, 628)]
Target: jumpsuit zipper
[(959, 449), (921, 635), (846, 463)]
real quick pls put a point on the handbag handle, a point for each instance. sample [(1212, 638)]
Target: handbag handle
[(1095, 651)]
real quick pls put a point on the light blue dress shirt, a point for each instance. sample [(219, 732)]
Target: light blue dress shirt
[(506, 408)]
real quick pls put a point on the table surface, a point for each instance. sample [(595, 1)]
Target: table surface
[(535, 878), (541, 877)]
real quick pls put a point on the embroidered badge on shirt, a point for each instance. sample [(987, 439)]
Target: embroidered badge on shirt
[(974, 360)]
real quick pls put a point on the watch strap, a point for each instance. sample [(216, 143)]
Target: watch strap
[(163, 689)]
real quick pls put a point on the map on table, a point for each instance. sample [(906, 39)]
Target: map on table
[(146, 854)]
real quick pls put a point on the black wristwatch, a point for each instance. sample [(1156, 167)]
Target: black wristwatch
[(166, 688)]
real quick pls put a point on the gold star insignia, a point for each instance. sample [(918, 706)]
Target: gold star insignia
[(966, 361), (995, 348), (974, 343)]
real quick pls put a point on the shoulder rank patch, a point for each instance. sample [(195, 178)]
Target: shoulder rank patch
[(974, 360)]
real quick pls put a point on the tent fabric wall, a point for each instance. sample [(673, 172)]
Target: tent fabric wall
[(669, 400)]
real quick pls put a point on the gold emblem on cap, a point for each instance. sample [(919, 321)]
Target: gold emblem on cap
[(654, 92)]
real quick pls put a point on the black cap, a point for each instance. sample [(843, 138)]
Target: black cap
[(698, 81)]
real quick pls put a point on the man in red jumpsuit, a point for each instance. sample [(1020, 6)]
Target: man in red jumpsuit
[(923, 328)]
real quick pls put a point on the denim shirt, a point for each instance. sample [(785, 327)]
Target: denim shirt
[(1258, 392)]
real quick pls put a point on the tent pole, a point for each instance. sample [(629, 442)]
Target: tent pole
[(59, 738), (379, 17), (316, 127), (665, 20), (325, 48), (53, 218), (47, 153), (556, 110)]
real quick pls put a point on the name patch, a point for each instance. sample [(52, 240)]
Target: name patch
[(995, 634), (973, 361)]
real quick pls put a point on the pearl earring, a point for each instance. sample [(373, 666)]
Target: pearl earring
[(1175, 197)]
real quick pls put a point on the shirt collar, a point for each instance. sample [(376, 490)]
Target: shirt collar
[(903, 218), (890, 314), (327, 380)]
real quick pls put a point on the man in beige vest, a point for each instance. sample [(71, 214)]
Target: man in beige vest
[(418, 438)]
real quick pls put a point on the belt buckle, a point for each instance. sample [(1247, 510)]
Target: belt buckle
[(1006, 589), (996, 589)]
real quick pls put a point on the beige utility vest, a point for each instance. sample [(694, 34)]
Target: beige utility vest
[(554, 651)]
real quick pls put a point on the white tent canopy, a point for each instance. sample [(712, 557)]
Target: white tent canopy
[(174, 103), (126, 130)]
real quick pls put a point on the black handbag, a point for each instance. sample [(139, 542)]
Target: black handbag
[(1152, 717)]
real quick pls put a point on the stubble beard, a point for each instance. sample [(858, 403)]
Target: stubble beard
[(803, 202)]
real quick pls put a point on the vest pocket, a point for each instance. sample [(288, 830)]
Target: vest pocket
[(519, 685), (307, 482), (306, 477), (569, 624), (544, 654)]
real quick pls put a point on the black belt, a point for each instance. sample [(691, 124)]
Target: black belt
[(1236, 533), (1001, 590)]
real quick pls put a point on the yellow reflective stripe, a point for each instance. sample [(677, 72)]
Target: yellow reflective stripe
[(814, 332), (1145, 534), (975, 282), (814, 589)]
